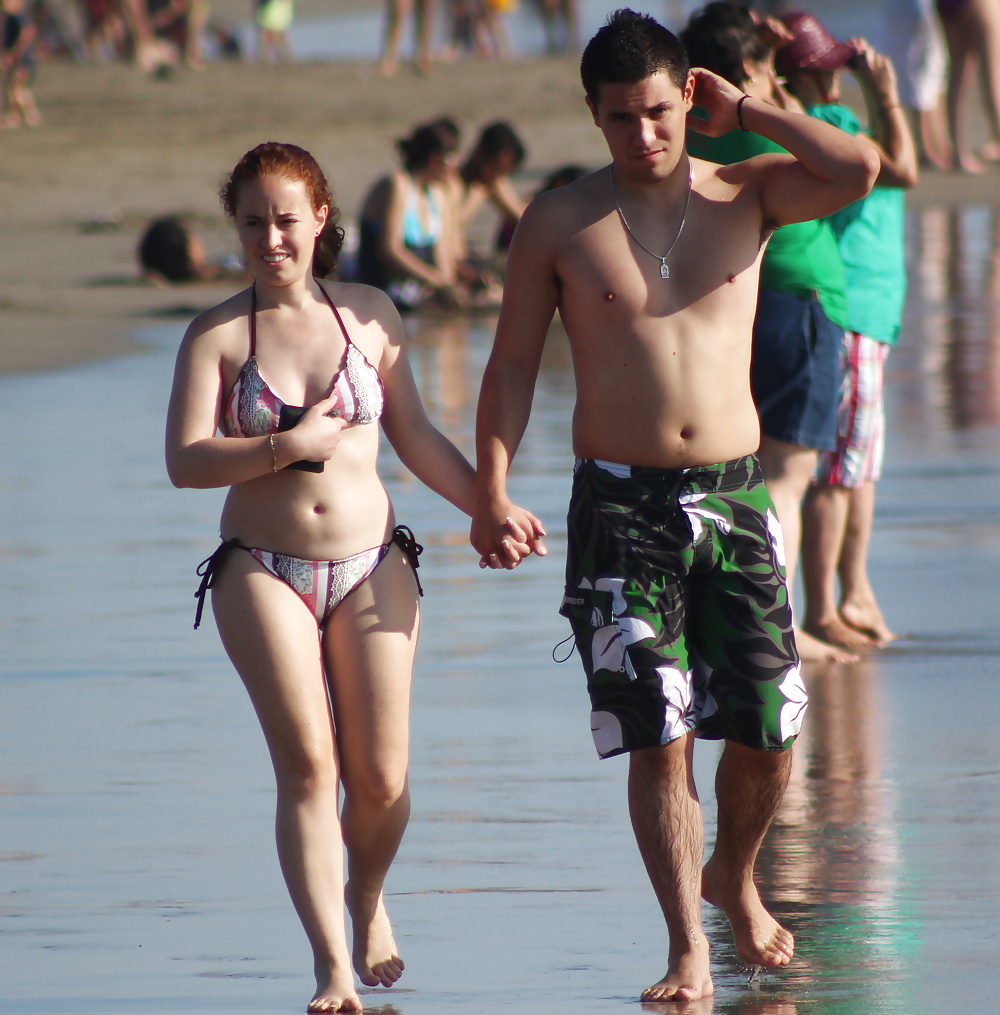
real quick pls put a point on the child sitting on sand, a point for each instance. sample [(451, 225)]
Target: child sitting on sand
[(17, 66)]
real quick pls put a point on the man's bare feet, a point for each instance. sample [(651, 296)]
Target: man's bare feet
[(835, 631), (376, 960), (812, 650), (688, 977), (760, 939), (867, 618), (334, 990)]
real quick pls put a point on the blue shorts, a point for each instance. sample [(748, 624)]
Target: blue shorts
[(795, 371)]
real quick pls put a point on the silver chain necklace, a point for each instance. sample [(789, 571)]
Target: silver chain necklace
[(664, 268)]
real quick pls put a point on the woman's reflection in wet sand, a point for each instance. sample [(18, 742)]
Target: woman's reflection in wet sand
[(954, 317), (438, 350)]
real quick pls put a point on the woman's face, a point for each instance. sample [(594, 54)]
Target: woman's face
[(277, 227)]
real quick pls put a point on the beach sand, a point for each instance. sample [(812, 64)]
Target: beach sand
[(117, 147)]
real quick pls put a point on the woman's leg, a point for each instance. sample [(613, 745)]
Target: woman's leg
[(272, 640), (368, 645), (960, 31), (787, 470)]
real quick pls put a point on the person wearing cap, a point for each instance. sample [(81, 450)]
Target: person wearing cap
[(802, 304), (839, 507), (675, 589)]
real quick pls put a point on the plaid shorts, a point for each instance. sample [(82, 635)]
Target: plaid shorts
[(860, 417)]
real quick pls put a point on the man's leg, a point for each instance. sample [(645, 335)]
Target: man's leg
[(824, 523), (749, 785), (667, 820), (858, 605)]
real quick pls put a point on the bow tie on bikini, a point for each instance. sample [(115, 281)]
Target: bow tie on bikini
[(664, 267)]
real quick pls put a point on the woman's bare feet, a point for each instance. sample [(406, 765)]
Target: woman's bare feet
[(760, 939), (867, 618), (376, 960), (334, 990), (835, 631), (812, 650), (688, 977)]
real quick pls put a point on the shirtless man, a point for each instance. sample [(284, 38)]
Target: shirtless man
[(674, 583)]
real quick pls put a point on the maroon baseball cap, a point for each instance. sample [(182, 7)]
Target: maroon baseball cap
[(813, 47)]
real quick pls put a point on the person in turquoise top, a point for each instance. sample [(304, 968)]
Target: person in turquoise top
[(839, 507), (802, 306)]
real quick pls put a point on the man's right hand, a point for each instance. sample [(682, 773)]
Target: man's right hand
[(504, 534)]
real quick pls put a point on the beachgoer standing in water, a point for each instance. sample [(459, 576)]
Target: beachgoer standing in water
[(313, 587), (675, 587)]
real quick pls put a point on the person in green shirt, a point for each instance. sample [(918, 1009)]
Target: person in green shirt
[(839, 507), (802, 306)]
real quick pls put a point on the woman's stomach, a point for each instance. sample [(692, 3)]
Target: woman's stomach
[(315, 516)]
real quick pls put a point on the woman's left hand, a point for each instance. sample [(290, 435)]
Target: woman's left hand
[(316, 436)]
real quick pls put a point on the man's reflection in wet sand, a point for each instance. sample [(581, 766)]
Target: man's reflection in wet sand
[(833, 864), (953, 317), (748, 1005)]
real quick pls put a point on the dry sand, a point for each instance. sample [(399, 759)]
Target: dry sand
[(117, 147)]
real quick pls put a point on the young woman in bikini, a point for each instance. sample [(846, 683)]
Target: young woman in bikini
[(313, 586)]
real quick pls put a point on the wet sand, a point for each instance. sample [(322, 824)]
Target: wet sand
[(137, 868)]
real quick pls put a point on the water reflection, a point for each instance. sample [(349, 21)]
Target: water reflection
[(833, 862), (952, 326)]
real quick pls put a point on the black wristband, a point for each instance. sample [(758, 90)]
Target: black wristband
[(739, 111)]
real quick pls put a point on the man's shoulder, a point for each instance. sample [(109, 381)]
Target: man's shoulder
[(569, 207)]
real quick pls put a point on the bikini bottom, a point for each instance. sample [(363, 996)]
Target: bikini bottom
[(321, 584)]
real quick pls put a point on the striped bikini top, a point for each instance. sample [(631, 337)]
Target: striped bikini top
[(254, 410)]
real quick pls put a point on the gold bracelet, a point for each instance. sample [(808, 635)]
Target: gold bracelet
[(274, 453)]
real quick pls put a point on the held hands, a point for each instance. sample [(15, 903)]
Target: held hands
[(718, 98), (505, 534)]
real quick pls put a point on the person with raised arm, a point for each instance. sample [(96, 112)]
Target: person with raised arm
[(675, 587)]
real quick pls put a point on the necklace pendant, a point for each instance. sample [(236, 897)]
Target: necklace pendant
[(664, 270)]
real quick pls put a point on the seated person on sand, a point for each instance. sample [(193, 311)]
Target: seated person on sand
[(406, 229), (485, 176), (557, 178), (169, 252)]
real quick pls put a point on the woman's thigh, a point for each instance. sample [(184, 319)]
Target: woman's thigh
[(271, 637), (368, 646)]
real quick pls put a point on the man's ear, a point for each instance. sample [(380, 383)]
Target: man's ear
[(688, 92), (593, 109)]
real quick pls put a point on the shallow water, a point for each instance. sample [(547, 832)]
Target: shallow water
[(137, 870)]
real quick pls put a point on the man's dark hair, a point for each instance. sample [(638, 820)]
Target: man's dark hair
[(720, 37), (631, 47)]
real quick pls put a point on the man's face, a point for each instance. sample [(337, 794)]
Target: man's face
[(644, 124)]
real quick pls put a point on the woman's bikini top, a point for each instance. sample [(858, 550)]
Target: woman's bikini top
[(417, 235), (254, 410)]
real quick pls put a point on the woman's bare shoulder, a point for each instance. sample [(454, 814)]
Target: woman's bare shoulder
[(371, 318), (217, 322)]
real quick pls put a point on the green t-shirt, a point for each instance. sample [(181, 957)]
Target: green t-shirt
[(870, 237), (802, 258)]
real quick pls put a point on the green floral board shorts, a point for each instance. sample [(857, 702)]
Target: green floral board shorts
[(675, 590)]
